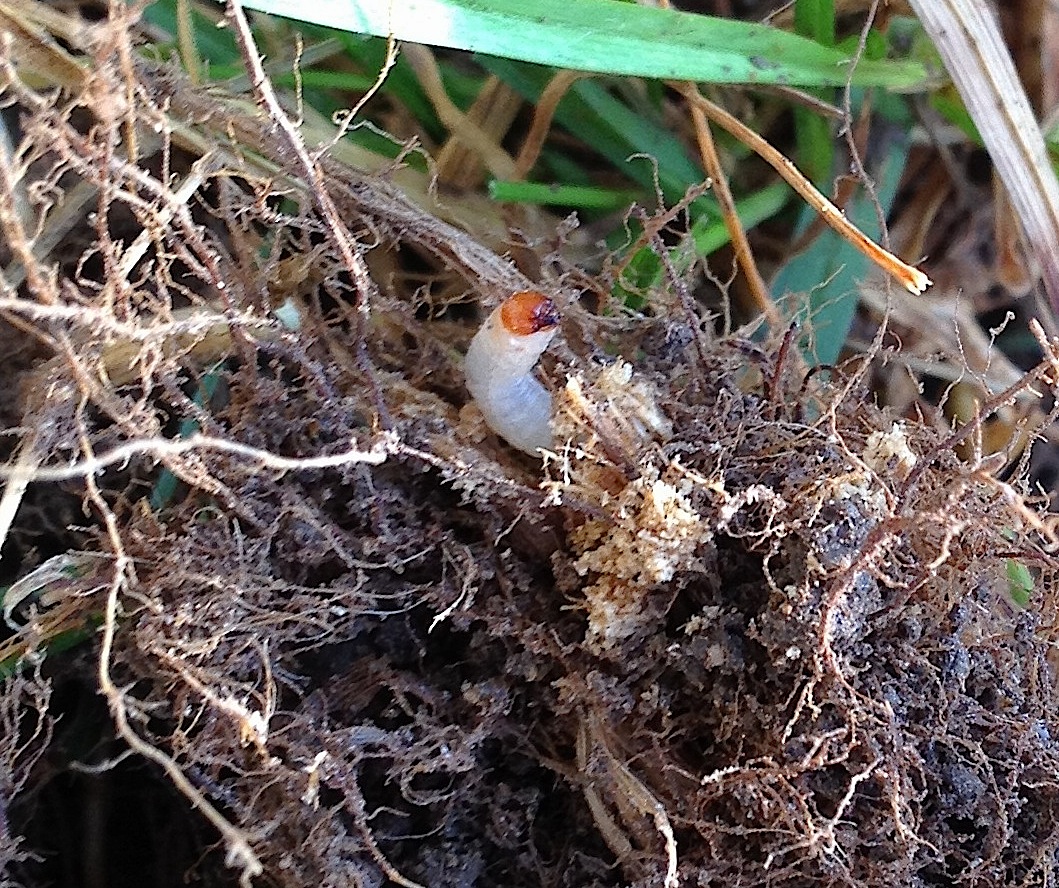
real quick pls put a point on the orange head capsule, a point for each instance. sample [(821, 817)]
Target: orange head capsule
[(528, 312)]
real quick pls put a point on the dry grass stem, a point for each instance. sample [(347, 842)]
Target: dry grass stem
[(912, 279), (969, 40)]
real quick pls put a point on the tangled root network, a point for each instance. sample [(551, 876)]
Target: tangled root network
[(738, 627)]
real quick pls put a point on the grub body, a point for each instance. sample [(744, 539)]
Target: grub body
[(499, 370)]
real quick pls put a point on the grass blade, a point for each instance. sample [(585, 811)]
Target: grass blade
[(608, 36)]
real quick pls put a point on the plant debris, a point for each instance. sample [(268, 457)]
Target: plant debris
[(741, 627)]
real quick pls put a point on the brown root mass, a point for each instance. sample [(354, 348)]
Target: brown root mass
[(749, 630)]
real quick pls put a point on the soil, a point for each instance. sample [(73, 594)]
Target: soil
[(288, 612)]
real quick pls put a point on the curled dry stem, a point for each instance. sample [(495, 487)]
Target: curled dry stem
[(911, 278), (711, 162)]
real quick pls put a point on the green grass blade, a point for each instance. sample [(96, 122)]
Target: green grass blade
[(815, 19), (57, 644), (1020, 582), (617, 132), (755, 208), (607, 36), (708, 233), (584, 197), (166, 485), (214, 44)]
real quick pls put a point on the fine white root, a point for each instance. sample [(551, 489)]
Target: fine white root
[(499, 370)]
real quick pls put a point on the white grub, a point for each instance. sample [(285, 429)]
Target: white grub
[(499, 370)]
